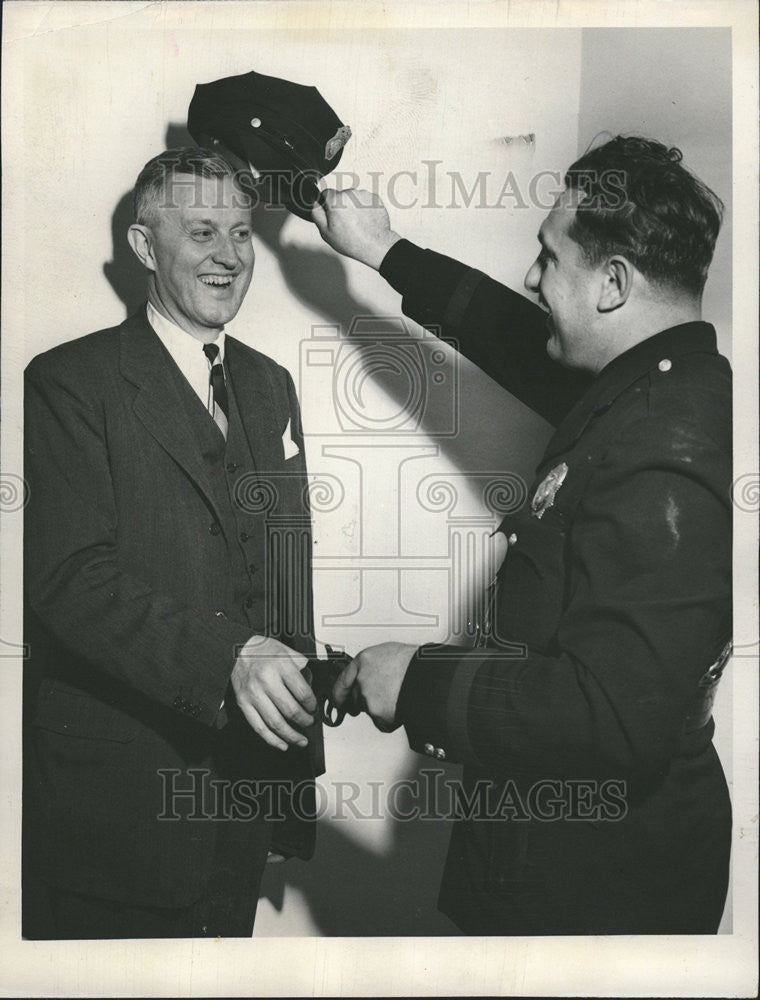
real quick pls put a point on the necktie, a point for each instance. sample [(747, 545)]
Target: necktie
[(218, 406)]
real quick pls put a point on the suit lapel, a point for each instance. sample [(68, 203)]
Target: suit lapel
[(254, 395), (158, 404)]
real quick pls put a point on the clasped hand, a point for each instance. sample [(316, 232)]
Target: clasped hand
[(277, 702), (373, 681), (272, 693)]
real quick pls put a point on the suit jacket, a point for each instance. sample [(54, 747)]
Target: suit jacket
[(604, 809), (133, 567)]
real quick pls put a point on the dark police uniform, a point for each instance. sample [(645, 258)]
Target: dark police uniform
[(594, 801)]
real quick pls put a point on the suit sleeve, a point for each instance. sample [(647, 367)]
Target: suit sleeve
[(502, 332), (646, 613), (75, 584)]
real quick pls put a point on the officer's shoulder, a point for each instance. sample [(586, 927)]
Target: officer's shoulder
[(693, 387)]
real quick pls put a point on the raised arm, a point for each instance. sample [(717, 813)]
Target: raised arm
[(499, 330)]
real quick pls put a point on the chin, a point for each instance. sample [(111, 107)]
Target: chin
[(220, 317)]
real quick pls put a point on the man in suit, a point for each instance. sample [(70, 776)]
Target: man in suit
[(171, 739), (594, 801)]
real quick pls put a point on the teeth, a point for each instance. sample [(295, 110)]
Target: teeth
[(216, 279)]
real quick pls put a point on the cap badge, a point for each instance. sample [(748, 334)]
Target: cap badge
[(547, 490), (333, 146)]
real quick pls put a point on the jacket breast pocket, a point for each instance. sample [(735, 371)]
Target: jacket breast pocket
[(530, 590), (62, 709)]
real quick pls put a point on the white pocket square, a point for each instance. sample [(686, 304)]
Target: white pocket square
[(288, 444)]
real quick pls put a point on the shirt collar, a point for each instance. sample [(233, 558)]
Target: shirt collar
[(178, 341)]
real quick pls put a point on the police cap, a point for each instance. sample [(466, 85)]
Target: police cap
[(287, 133)]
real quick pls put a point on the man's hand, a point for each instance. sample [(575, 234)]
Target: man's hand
[(377, 673), (271, 692), (356, 224)]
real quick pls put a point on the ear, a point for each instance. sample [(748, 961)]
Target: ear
[(617, 282), (141, 240)]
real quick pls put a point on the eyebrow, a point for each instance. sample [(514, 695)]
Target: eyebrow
[(213, 225)]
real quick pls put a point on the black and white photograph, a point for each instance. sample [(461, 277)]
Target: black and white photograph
[(379, 498)]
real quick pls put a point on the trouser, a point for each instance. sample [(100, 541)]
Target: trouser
[(226, 909)]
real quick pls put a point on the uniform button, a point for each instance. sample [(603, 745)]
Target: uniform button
[(512, 539), (665, 365), (232, 466), (220, 614), (243, 536), (214, 528), (255, 123), (429, 749), (440, 753)]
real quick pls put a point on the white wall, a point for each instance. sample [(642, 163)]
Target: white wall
[(110, 95)]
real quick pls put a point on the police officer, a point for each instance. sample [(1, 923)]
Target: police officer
[(584, 718)]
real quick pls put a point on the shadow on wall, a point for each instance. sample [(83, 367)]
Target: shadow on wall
[(351, 891), (317, 279)]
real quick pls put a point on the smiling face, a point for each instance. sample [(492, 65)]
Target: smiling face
[(568, 287), (198, 246)]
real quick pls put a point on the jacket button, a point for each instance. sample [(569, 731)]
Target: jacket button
[(512, 539), (429, 749), (665, 365), (214, 528), (440, 753), (243, 536)]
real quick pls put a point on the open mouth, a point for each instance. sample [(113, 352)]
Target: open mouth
[(217, 280)]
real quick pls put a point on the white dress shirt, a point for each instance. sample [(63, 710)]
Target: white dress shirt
[(187, 353)]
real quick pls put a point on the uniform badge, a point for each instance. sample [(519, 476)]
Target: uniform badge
[(547, 490), (333, 146)]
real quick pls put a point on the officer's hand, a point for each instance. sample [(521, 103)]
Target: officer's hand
[(377, 673), (271, 692), (356, 224)]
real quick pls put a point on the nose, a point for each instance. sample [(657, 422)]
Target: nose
[(226, 252), (533, 277)]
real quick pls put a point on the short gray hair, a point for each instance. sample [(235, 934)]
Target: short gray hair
[(150, 187)]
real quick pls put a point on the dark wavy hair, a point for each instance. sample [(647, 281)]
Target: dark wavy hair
[(642, 203), (151, 185)]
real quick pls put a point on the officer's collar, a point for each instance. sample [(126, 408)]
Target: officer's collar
[(655, 354), (657, 351)]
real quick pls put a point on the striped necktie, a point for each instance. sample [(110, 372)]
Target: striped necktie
[(218, 406)]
